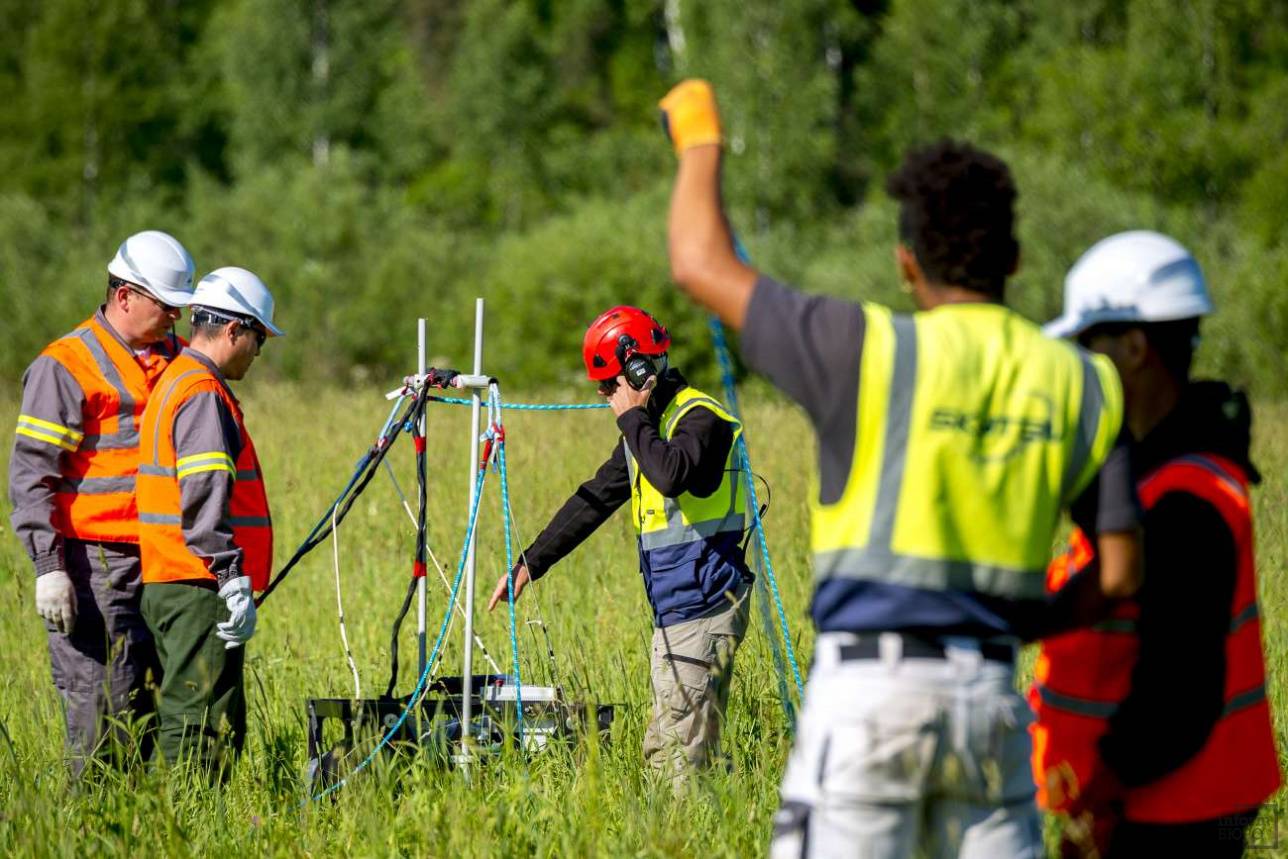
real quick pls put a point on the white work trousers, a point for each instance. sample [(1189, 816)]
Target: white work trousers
[(900, 757)]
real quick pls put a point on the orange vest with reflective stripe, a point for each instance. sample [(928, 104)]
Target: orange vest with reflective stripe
[(95, 496), (1081, 676), (166, 556)]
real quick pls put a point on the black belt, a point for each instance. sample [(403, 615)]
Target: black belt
[(916, 647)]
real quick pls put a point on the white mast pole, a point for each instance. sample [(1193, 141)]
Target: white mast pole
[(467, 667), (420, 583)]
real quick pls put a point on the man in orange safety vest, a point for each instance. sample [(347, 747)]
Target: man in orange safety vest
[(71, 482), (1153, 732), (205, 531)]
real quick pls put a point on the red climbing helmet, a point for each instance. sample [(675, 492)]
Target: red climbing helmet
[(617, 334)]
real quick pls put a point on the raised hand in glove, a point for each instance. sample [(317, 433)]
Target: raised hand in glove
[(689, 115), (56, 600), (240, 626)]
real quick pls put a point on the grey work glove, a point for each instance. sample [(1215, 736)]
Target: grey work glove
[(56, 600), (238, 629)]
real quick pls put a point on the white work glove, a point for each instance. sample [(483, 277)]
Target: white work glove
[(238, 629), (56, 600)]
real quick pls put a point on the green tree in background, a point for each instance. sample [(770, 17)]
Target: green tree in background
[(938, 69), (1163, 104), (776, 65), (381, 159), (98, 107), (304, 76)]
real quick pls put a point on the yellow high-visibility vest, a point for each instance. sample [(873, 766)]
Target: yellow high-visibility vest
[(974, 430), (662, 522)]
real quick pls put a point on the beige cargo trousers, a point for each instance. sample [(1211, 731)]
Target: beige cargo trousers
[(692, 670)]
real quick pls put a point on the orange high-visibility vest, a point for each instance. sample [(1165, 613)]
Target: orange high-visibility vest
[(166, 556), (95, 496), (1080, 678)]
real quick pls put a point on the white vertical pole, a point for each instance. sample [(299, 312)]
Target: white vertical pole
[(420, 583), (467, 667)]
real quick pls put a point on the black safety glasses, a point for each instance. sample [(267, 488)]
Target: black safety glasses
[(165, 308), (204, 314), (260, 334)]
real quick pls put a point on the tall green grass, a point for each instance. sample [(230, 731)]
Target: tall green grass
[(595, 800)]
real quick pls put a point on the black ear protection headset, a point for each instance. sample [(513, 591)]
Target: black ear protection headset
[(636, 366)]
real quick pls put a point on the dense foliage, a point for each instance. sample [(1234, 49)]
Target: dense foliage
[(376, 160)]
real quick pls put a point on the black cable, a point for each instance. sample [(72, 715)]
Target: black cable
[(764, 507), (421, 540), (367, 467), (393, 638)]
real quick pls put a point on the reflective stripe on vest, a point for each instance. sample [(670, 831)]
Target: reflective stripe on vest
[(661, 522), (166, 556), (1074, 695), (973, 431), (94, 498)]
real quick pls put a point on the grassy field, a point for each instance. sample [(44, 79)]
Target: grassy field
[(594, 802)]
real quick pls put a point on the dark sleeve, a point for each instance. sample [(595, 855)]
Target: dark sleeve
[(692, 461), (50, 426), (1109, 503), (207, 443), (1178, 685), (810, 347), (587, 509), (1078, 603)]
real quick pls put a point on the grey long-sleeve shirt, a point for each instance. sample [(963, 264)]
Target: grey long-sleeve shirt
[(207, 442), (50, 425), (52, 409)]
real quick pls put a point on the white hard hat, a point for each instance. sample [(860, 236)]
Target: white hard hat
[(240, 292), (156, 262), (1137, 276)]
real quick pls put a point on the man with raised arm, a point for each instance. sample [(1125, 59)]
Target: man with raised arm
[(949, 442)]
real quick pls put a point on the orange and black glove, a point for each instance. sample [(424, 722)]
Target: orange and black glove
[(689, 115)]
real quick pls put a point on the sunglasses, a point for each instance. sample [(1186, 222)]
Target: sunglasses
[(260, 334), (165, 308), (207, 315)]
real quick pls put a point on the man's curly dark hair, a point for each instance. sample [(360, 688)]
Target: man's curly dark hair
[(957, 214)]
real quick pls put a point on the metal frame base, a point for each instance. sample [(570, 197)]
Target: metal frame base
[(434, 726)]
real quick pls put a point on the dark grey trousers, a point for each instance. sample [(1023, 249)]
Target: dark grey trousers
[(104, 669)]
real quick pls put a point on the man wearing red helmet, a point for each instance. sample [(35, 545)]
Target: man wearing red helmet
[(675, 466)]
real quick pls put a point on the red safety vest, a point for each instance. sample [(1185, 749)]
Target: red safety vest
[(95, 496), (1081, 676), (165, 554)]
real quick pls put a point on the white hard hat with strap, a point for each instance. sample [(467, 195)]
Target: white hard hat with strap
[(157, 263), (1137, 276), (238, 292)]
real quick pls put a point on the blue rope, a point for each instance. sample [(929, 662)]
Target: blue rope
[(429, 664), (509, 563), (744, 464), (775, 648), (531, 407)]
